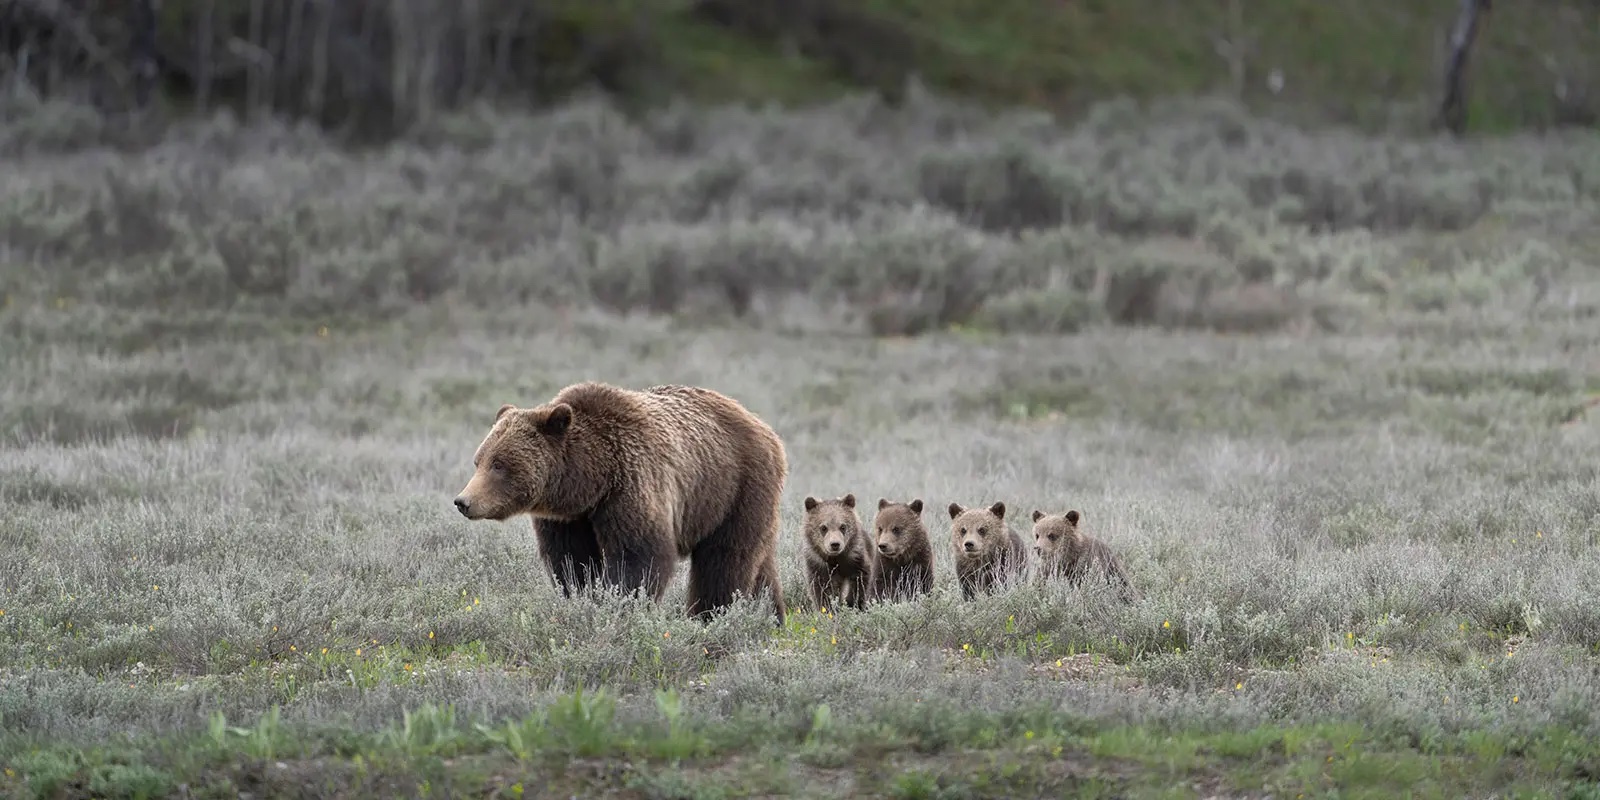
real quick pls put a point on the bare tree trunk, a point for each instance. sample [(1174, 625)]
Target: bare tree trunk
[(206, 35), (253, 87), (1234, 47), (294, 56), (431, 33), (472, 53), (1453, 107), (502, 48), (403, 61), (318, 91), (143, 26)]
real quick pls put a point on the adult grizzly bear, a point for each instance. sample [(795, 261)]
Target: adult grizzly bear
[(988, 554), (622, 484), (905, 555), (1065, 551), (841, 563)]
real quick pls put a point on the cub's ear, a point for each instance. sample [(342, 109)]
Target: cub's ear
[(882, 503), (503, 410), (998, 509), (556, 420), (1037, 515), (955, 510), (1073, 517), (811, 503), (849, 500), (916, 505)]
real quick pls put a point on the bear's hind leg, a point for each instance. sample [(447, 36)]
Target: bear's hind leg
[(819, 585), (570, 551), (717, 570), (734, 556)]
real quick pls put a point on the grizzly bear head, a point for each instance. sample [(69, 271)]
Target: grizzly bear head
[(532, 462), (1054, 534), (975, 532), (899, 527), (832, 527)]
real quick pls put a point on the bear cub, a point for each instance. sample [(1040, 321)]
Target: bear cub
[(987, 552), (840, 559), (1065, 551), (905, 554)]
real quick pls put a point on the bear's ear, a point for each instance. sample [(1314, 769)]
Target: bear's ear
[(556, 420), (849, 500), (1073, 517), (503, 410), (1037, 515), (882, 503), (811, 503), (916, 505), (955, 510), (998, 509)]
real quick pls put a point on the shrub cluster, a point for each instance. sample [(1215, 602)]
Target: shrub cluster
[(907, 219)]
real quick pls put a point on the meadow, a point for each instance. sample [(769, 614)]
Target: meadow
[(1329, 396)]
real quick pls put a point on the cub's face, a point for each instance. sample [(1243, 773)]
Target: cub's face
[(1054, 533), (831, 525), (517, 463), (898, 526), (975, 531)]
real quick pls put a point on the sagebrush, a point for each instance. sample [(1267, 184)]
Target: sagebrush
[(245, 374)]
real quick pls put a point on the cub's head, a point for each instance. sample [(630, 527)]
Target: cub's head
[(974, 532), (899, 527), (831, 525), (1054, 534), (521, 464)]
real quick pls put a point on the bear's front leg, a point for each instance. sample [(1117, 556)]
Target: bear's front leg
[(637, 552), (860, 589), (971, 584), (819, 584), (570, 551)]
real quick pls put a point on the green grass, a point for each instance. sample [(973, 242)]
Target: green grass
[(1354, 61), (579, 746), (719, 66), (245, 372)]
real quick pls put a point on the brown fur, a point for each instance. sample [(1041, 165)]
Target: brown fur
[(840, 559), (905, 554), (622, 484), (1065, 551), (986, 551)]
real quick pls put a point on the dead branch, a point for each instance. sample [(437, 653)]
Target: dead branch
[(97, 54), (1453, 107)]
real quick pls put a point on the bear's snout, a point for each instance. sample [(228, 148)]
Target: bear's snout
[(463, 505), (970, 546), (835, 546), (883, 547)]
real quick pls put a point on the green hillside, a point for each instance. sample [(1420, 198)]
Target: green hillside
[(372, 64), (1347, 60)]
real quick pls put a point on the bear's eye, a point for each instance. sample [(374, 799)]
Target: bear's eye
[(983, 531), (497, 465), (963, 531), (896, 531), (1054, 536), (845, 528)]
